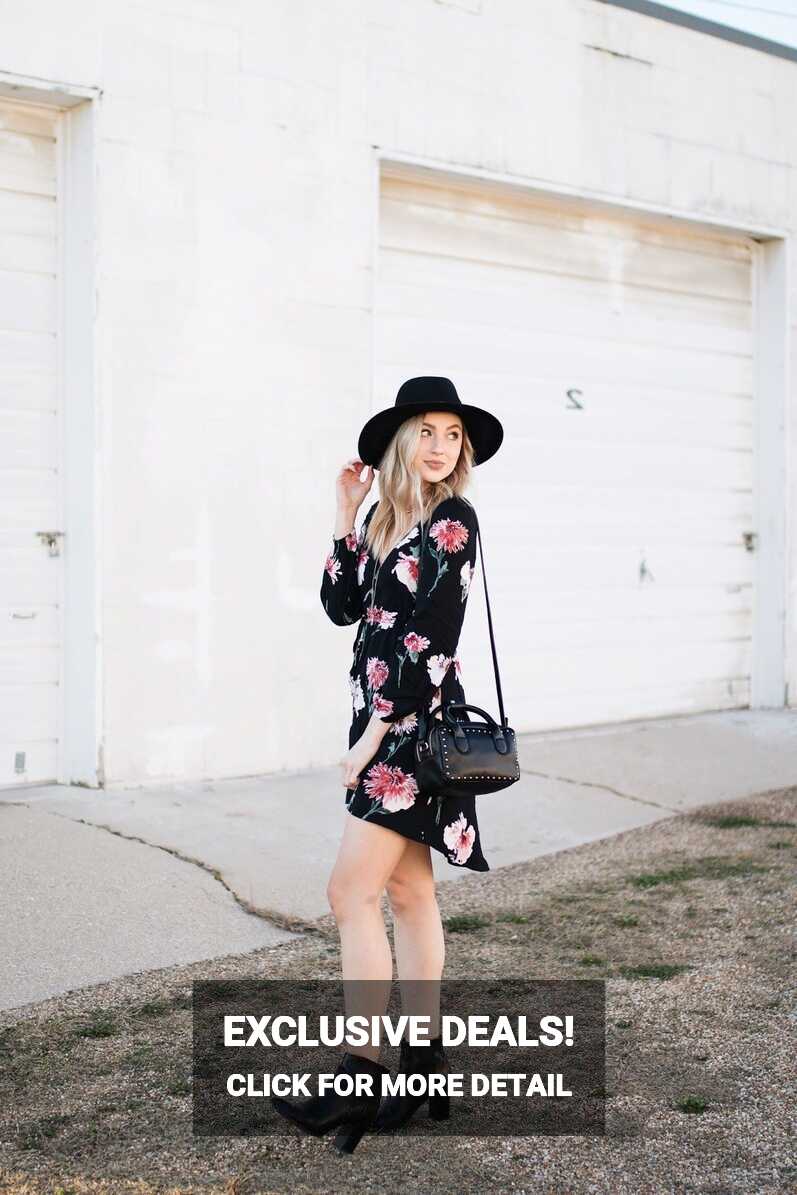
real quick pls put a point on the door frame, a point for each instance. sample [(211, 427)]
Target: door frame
[(79, 756)]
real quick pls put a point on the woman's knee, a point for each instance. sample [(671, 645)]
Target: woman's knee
[(411, 896), (347, 898)]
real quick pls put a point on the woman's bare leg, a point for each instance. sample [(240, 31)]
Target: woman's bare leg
[(367, 856), (418, 934)]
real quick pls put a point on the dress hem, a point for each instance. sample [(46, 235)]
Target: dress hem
[(440, 850)]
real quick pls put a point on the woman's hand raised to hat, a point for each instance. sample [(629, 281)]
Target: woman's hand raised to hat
[(350, 491)]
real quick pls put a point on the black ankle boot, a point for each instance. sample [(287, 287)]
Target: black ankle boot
[(427, 1059), (351, 1114)]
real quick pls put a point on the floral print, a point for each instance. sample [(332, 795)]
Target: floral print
[(410, 611)]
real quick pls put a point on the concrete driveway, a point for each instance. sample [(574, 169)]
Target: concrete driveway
[(96, 884)]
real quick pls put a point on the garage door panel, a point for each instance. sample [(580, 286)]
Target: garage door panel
[(696, 467), (587, 253), (28, 623), (28, 118), (27, 391), (28, 581), (30, 439), (32, 496), (606, 566), (30, 662), (623, 623), (540, 355), (621, 417), (41, 759), (28, 302), (595, 708), (26, 215), (27, 713), (459, 198), (35, 352), (685, 663), (674, 513), (593, 311)]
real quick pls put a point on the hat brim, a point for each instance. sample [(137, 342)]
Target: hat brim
[(486, 432)]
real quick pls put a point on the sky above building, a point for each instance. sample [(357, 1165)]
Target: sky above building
[(774, 19)]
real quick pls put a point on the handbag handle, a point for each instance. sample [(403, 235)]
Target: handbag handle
[(489, 616)]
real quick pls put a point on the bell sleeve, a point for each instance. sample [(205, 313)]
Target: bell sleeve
[(427, 644), (342, 588)]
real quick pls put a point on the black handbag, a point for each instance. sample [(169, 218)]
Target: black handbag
[(457, 757)]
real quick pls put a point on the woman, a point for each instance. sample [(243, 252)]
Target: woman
[(406, 578)]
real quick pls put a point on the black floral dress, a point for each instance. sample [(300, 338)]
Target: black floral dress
[(410, 612)]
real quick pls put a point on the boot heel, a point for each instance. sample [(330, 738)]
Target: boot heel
[(349, 1135), (439, 1106)]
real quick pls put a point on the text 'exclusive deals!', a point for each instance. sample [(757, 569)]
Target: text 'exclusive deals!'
[(524, 1057)]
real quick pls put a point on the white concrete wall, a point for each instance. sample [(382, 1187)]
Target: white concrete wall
[(236, 208)]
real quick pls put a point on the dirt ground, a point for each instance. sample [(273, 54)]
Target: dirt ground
[(691, 922)]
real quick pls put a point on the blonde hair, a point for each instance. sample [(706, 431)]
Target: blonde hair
[(400, 487)]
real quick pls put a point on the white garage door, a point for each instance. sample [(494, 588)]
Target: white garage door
[(619, 357), (30, 577)]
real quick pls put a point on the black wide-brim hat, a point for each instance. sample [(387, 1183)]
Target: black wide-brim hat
[(417, 395)]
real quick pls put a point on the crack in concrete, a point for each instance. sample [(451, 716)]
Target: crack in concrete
[(606, 788), (284, 921)]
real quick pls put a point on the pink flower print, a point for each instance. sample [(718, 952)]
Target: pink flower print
[(332, 566), (362, 560), (437, 697), (437, 666), (404, 725), (457, 667), (380, 705), (382, 618), (459, 837), (358, 701), (449, 534), (407, 569), (415, 644), (465, 577), (395, 788), (351, 542), (377, 672)]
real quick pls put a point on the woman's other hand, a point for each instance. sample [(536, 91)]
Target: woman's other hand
[(349, 490), (355, 760), (363, 751)]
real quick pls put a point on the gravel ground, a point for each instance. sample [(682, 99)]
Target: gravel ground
[(691, 922)]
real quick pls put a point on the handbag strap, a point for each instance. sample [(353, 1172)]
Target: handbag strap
[(489, 616)]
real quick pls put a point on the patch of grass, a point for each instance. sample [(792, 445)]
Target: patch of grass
[(141, 1056), (154, 1008), (36, 1133), (591, 960), (626, 920), (742, 821), (692, 1104), (465, 923), (179, 1086), (101, 1025), (780, 845), (654, 970), (513, 918), (622, 1024), (712, 867)]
